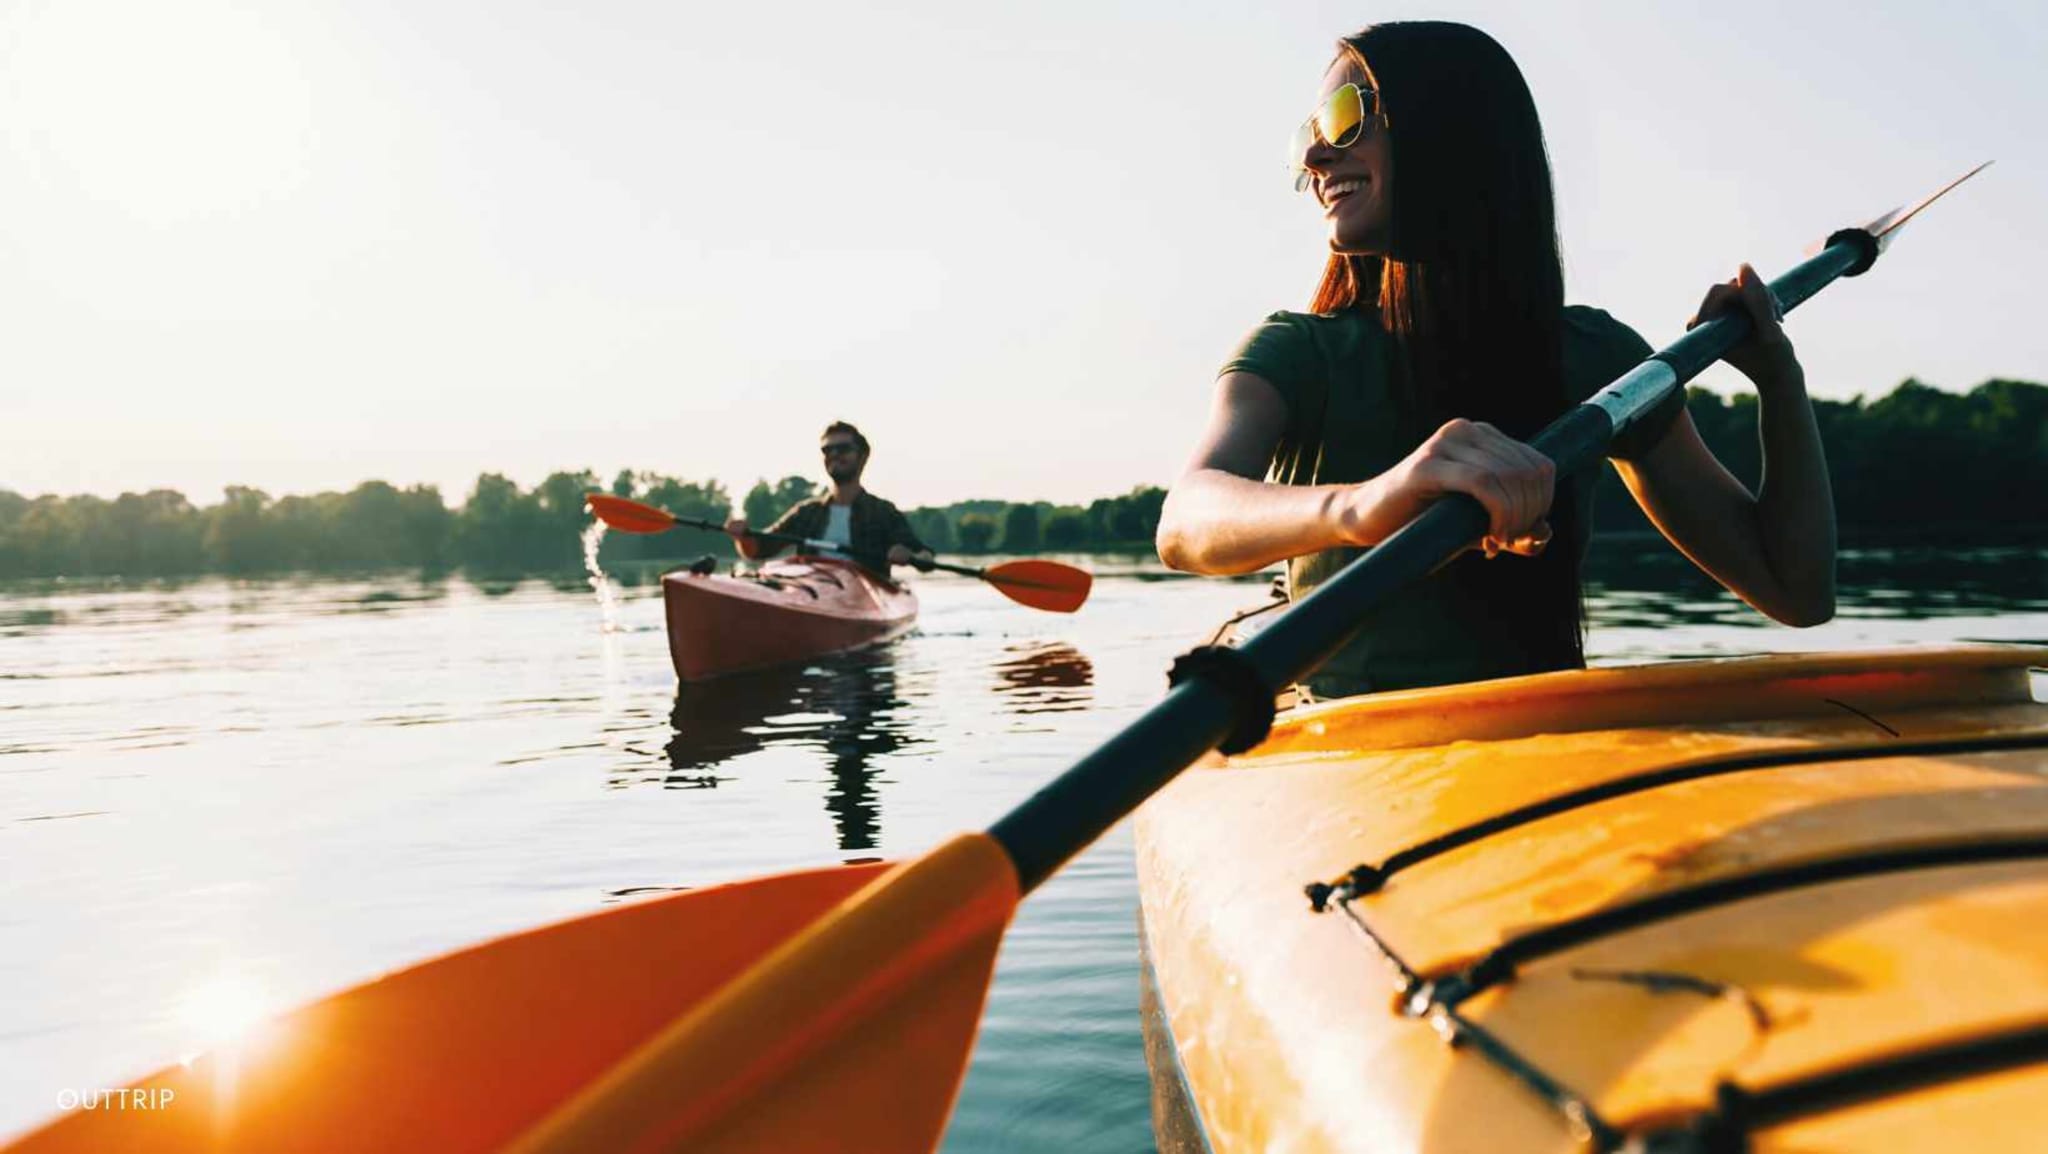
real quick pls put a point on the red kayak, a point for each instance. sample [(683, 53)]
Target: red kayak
[(788, 611)]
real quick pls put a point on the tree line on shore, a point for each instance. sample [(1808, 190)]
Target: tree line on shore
[(500, 530), (1917, 458)]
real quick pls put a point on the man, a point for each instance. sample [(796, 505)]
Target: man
[(864, 525)]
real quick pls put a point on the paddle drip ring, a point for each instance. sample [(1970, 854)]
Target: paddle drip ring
[(1251, 699)]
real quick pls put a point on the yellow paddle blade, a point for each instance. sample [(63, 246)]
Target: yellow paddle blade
[(629, 516), (853, 1035), (1046, 585), (470, 1051)]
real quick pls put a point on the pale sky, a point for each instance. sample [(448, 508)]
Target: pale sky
[(302, 244)]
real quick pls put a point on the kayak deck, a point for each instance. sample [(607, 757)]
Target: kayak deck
[(789, 611), (1736, 893)]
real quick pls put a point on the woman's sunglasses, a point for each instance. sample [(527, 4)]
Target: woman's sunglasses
[(1338, 123)]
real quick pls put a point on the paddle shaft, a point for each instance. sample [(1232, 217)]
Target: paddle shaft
[(1197, 715), (779, 538), (963, 570), (829, 547)]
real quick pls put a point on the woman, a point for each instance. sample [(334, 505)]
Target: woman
[(1437, 341)]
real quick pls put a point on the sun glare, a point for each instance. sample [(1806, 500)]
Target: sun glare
[(224, 1012)]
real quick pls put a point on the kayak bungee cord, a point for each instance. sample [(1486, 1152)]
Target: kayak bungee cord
[(1279, 601), (1366, 879), (1724, 1127)]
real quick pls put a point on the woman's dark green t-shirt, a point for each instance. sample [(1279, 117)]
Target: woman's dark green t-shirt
[(1335, 373)]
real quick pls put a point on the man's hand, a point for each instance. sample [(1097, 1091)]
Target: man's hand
[(743, 537), (901, 555)]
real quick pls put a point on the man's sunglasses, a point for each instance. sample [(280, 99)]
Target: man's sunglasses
[(1338, 123), (835, 448)]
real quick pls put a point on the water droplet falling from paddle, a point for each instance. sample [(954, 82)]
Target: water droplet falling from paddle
[(607, 590)]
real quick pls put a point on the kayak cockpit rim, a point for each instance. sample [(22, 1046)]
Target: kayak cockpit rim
[(1667, 693)]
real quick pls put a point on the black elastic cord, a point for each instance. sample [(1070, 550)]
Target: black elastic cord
[(1499, 964), (1251, 699), (1866, 246), (1574, 1110), (1884, 1077), (1279, 601), (1372, 877)]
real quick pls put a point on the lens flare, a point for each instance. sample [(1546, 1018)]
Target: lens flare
[(224, 1012)]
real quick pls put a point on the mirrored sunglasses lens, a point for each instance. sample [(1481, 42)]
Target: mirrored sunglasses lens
[(1299, 144), (1342, 116)]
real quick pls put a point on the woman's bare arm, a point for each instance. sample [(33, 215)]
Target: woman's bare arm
[(1221, 518), (1775, 548)]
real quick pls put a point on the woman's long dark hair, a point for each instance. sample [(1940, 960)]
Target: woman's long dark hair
[(1472, 286)]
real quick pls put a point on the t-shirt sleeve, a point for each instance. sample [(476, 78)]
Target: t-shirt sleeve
[(1281, 351), (1619, 349)]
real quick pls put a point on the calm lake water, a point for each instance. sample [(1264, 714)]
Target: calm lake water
[(267, 790)]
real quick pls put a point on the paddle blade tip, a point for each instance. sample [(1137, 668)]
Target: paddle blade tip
[(627, 516), (1047, 585)]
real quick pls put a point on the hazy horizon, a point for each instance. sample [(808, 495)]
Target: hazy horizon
[(306, 246), (736, 489)]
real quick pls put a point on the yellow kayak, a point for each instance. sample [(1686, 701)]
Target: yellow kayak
[(1784, 904)]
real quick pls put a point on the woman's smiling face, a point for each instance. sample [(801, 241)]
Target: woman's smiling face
[(1352, 184)]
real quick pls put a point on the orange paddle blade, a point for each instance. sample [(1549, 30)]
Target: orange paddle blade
[(830, 1009), (1046, 585), (472, 1050), (853, 1035), (629, 516)]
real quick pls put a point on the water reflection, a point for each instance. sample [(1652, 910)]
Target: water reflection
[(22, 622), (849, 707), (1645, 582), (1044, 677), (383, 600)]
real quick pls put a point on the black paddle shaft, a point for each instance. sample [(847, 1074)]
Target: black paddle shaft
[(878, 564), (1198, 714), (920, 565)]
